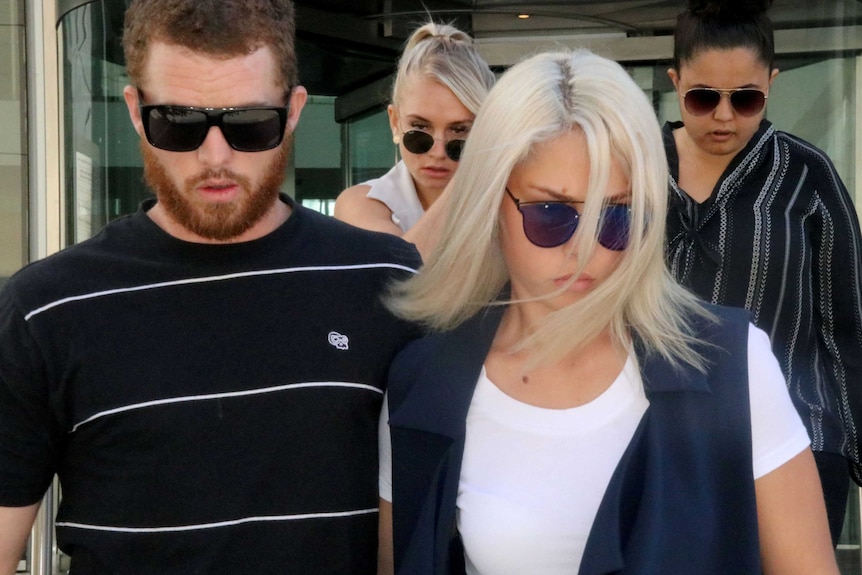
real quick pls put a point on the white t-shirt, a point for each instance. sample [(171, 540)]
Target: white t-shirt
[(532, 479)]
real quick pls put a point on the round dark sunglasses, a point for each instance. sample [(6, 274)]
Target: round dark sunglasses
[(746, 101), (419, 142), (551, 224), (184, 128)]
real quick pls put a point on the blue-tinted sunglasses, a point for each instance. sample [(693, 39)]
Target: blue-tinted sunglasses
[(551, 224)]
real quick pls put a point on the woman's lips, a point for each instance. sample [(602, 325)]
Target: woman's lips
[(582, 283), (436, 171)]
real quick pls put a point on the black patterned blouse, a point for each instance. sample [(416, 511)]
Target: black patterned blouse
[(779, 236)]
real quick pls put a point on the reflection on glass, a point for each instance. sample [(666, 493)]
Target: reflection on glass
[(371, 150), (14, 158), (103, 170)]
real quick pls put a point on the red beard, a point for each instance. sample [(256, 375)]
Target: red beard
[(219, 222)]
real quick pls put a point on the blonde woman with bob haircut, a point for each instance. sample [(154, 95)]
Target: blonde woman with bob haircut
[(572, 409), (438, 89)]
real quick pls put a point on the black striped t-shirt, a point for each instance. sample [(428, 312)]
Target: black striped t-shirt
[(208, 408)]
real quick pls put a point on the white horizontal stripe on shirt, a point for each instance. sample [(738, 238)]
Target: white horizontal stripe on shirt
[(209, 279), (228, 394), (217, 524)]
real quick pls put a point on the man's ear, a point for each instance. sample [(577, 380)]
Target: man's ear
[(298, 98), (130, 94)]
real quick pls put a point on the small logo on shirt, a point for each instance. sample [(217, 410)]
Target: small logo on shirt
[(337, 340)]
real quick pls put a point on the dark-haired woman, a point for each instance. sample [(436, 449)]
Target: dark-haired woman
[(760, 219)]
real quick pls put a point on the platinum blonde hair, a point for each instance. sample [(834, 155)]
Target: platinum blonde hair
[(538, 100), (447, 55)]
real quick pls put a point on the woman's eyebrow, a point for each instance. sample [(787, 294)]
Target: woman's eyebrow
[(622, 197), (553, 193)]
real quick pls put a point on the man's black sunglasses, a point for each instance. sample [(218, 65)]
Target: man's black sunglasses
[(184, 128)]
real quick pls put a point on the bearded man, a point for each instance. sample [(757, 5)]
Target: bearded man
[(204, 376)]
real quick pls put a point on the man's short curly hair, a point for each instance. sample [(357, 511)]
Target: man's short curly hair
[(220, 28)]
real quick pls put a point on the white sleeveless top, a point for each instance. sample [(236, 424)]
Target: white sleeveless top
[(396, 190)]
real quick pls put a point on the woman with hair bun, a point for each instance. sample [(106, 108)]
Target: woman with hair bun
[(760, 219), (440, 84)]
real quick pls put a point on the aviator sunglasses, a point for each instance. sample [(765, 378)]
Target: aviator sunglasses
[(184, 128), (551, 224), (746, 101), (419, 142)]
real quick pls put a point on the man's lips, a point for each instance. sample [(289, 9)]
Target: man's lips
[(217, 188)]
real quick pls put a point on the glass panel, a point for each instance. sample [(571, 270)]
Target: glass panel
[(370, 146), (103, 170), (13, 139), (813, 98), (368, 153), (849, 551), (317, 150)]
